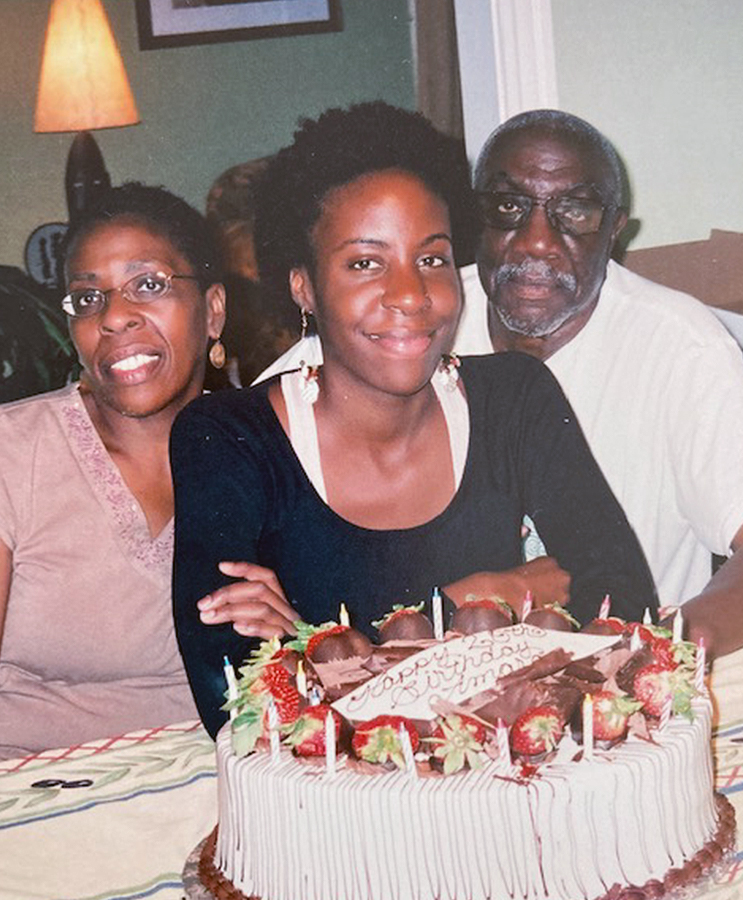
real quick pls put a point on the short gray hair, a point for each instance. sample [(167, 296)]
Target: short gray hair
[(561, 123)]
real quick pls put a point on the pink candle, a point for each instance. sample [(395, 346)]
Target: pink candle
[(437, 612), (605, 607), (700, 663), (526, 605), (504, 751)]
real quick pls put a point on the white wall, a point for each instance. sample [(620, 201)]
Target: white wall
[(663, 79)]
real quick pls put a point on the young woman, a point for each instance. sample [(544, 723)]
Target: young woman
[(391, 470), (86, 500)]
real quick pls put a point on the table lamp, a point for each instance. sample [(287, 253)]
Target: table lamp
[(83, 85)]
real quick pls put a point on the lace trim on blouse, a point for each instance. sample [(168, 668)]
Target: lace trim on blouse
[(154, 554)]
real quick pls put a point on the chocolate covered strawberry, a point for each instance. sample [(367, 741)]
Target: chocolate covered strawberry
[(608, 626), (406, 623), (482, 614), (552, 617), (611, 714), (536, 731), (378, 740), (306, 736)]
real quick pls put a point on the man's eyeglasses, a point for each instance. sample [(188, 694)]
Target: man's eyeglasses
[(570, 215), (143, 288)]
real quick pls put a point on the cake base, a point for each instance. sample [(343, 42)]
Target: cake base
[(203, 881)]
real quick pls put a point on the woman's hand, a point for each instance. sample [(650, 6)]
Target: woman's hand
[(256, 606), (542, 577)]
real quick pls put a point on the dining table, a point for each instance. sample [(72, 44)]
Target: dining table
[(117, 818)]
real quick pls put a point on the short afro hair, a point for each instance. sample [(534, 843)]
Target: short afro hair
[(160, 211), (338, 147)]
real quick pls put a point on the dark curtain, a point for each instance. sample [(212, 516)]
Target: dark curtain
[(439, 94)]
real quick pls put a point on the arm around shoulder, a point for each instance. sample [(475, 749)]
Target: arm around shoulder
[(716, 614)]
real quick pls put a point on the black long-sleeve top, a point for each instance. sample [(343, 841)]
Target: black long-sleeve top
[(242, 495)]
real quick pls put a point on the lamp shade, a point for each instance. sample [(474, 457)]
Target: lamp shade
[(83, 83)]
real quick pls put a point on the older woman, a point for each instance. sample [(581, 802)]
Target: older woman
[(86, 501), (391, 469)]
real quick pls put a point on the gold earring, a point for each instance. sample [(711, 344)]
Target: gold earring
[(217, 354)]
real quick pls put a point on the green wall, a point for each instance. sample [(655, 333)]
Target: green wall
[(203, 108), (662, 79)]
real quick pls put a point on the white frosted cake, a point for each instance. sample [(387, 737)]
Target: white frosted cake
[(629, 819)]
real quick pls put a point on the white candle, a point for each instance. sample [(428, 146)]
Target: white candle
[(700, 663), (588, 727), (229, 674), (329, 744), (407, 751), (343, 616), (605, 607), (526, 605), (678, 627), (501, 737), (273, 730), (665, 713), (635, 641), (647, 619), (301, 678), (437, 613)]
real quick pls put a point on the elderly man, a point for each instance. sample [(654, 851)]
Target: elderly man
[(655, 380)]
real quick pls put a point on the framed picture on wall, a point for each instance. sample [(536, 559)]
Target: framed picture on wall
[(178, 23)]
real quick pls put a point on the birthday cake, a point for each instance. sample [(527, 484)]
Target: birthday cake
[(519, 762)]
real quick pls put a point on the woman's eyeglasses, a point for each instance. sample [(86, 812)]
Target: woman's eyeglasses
[(142, 288)]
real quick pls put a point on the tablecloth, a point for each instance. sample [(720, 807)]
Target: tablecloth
[(126, 835)]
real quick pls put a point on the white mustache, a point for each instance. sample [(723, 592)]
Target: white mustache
[(537, 270)]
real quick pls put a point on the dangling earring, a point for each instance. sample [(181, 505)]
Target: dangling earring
[(446, 374), (310, 386), (217, 354), (305, 321)]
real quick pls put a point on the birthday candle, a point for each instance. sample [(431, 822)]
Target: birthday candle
[(647, 619), (635, 641), (437, 613), (700, 662), (526, 605), (665, 713), (501, 737), (301, 678), (229, 674), (273, 730), (329, 744), (343, 616), (605, 607), (407, 751), (678, 627), (588, 727)]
